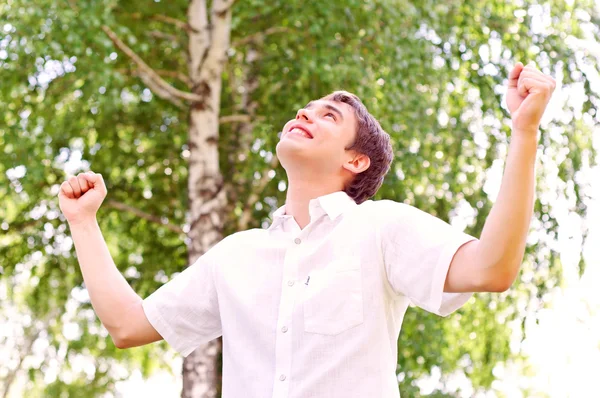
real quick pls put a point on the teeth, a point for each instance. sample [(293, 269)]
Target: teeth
[(299, 131)]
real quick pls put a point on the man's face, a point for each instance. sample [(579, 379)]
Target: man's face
[(313, 143)]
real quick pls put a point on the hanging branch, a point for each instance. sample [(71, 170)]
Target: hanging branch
[(161, 72), (150, 76), (259, 36), (141, 214), (235, 119), (173, 21), (162, 35)]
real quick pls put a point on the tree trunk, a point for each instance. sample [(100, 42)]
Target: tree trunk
[(208, 44)]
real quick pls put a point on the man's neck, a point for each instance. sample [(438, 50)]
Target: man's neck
[(301, 192)]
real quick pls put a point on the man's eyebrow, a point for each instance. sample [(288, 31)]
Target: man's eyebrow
[(328, 106)]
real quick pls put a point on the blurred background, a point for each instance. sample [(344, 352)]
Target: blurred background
[(118, 87)]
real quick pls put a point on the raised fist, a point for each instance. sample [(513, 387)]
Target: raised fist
[(80, 196), (529, 91)]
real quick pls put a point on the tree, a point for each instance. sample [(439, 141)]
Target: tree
[(182, 123)]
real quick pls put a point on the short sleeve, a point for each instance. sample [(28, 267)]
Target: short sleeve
[(417, 250), (185, 310)]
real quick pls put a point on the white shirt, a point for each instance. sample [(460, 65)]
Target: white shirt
[(312, 313)]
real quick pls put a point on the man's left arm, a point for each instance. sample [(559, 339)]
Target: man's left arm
[(492, 263)]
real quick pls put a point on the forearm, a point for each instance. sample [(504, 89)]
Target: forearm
[(502, 242), (109, 292)]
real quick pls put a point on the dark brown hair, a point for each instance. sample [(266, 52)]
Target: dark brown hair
[(371, 140)]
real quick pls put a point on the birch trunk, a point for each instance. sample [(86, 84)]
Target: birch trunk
[(208, 43)]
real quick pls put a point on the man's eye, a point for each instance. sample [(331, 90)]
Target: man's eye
[(330, 114)]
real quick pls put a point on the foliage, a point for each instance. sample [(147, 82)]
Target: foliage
[(432, 72)]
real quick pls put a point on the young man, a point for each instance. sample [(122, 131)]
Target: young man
[(313, 305)]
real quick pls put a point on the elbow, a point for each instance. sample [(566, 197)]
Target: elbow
[(498, 283), (120, 340), (122, 331), (499, 286), (120, 345)]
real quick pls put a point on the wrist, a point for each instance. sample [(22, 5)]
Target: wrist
[(83, 223), (521, 133), (524, 137)]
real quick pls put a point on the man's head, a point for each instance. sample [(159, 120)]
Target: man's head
[(336, 138)]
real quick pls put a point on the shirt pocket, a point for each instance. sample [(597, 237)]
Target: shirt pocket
[(333, 299)]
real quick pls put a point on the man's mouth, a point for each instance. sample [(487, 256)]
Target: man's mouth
[(301, 131)]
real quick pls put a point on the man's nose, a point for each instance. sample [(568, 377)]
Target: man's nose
[(304, 114)]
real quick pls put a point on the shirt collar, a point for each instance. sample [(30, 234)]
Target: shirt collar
[(333, 204)]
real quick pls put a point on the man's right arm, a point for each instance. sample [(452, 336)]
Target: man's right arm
[(114, 301), (185, 311)]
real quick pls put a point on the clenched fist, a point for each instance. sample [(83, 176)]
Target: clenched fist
[(529, 91), (80, 197)]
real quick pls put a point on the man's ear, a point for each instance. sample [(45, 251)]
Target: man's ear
[(357, 163)]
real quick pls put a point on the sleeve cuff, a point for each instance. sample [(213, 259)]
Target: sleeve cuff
[(163, 328), (442, 303)]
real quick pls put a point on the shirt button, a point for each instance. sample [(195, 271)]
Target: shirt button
[(282, 377), (297, 241), (290, 283), (284, 329)]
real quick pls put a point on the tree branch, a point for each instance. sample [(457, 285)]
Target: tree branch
[(166, 19), (222, 8), (150, 77), (259, 36), (235, 119), (146, 216), (161, 72), (182, 77), (159, 90), (162, 35), (173, 21)]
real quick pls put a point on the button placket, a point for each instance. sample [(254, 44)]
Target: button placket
[(283, 342)]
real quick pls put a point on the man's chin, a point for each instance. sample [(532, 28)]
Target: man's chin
[(290, 153)]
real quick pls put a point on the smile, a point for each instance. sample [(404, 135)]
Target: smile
[(300, 131)]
